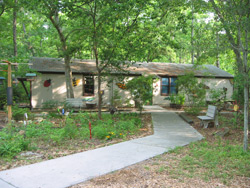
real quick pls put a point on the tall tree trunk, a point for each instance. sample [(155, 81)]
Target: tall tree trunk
[(99, 70), (180, 56), (68, 72), (68, 76), (99, 96), (246, 92), (14, 28), (246, 111), (217, 51), (192, 35)]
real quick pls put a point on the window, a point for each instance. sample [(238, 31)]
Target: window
[(168, 85), (88, 86)]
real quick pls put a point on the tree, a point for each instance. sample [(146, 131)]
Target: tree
[(14, 28), (111, 27), (57, 13), (235, 17)]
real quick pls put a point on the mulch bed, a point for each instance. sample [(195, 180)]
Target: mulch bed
[(51, 151)]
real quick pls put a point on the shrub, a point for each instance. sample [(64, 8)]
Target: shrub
[(126, 126), (177, 99), (37, 130), (100, 132), (70, 129), (18, 113), (195, 92), (11, 145), (141, 90)]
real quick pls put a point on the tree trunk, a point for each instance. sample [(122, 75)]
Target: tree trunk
[(246, 112), (246, 92), (68, 76), (217, 52), (68, 73), (180, 56), (99, 96), (192, 36), (14, 28)]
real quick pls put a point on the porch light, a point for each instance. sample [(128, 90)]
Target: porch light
[(1, 80), (30, 76)]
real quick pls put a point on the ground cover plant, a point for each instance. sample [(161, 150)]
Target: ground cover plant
[(213, 162), (57, 135)]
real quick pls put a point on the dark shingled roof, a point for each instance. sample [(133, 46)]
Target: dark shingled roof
[(55, 65)]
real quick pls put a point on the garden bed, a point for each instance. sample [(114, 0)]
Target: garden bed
[(56, 137)]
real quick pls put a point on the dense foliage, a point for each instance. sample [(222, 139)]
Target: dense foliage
[(144, 30), (141, 90), (194, 91)]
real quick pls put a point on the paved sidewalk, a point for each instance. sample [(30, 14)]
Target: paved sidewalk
[(170, 131)]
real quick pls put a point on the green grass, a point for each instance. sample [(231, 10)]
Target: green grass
[(74, 128), (212, 160)]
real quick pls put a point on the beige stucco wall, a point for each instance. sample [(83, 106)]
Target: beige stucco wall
[(212, 83), (57, 90)]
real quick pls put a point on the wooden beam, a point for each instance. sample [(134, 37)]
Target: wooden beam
[(9, 85)]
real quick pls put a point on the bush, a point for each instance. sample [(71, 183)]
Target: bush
[(11, 145), (100, 132), (177, 99), (39, 130), (141, 90), (70, 129), (195, 92), (194, 110), (18, 113)]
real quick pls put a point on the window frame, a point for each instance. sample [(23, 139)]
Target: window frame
[(169, 85), (83, 86)]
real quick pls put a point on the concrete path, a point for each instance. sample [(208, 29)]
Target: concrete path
[(169, 131)]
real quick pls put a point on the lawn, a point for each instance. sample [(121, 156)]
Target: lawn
[(58, 136)]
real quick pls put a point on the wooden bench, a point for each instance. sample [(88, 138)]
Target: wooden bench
[(74, 102), (211, 116)]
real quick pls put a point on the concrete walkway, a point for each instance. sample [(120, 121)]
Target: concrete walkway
[(169, 131)]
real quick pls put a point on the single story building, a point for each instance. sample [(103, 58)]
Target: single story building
[(50, 83)]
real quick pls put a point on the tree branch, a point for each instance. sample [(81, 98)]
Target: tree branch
[(228, 32), (74, 30), (56, 25), (2, 11)]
